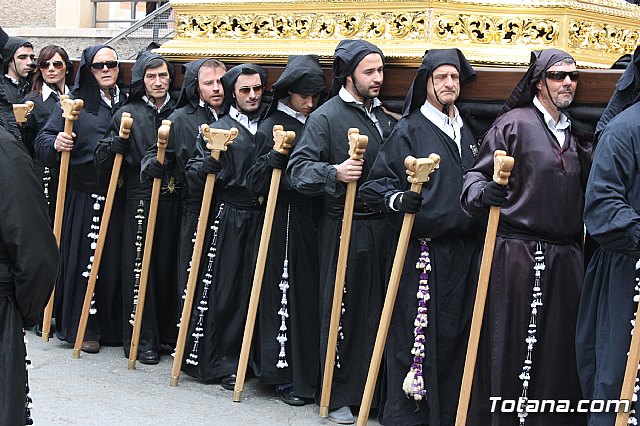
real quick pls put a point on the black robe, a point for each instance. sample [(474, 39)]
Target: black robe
[(28, 262), (453, 249), (228, 260), (299, 241), (544, 210), (323, 143), (82, 206), (607, 306), (161, 303)]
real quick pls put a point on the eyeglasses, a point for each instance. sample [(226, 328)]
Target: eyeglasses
[(246, 90), (101, 65), (561, 75), (56, 64)]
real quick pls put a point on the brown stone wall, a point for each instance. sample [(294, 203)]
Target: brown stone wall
[(28, 13)]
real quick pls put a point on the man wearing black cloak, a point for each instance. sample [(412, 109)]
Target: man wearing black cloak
[(201, 101), (148, 103), (28, 263), (222, 293), (444, 239), (97, 85), (18, 66), (611, 286), (320, 166), (288, 324), (527, 345)]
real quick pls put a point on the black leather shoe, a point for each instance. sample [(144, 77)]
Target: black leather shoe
[(148, 357), (289, 398), (229, 382)]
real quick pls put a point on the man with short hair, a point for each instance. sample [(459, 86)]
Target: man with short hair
[(320, 166), (288, 323), (537, 270), (201, 101), (222, 292), (424, 388), (148, 103), (97, 85), (18, 67)]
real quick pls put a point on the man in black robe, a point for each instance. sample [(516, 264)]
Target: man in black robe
[(443, 233), (288, 324), (18, 66), (222, 293), (611, 287), (320, 166), (537, 270), (28, 263), (201, 101), (148, 103), (97, 85)]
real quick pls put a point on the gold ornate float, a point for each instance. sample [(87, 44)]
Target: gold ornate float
[(495, 32)]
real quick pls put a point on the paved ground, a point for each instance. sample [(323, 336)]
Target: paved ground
[(100, 390)]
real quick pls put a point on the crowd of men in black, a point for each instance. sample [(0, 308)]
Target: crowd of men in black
[(528, 346)]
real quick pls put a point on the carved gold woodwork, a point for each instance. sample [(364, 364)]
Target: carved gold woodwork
[(499, 32)]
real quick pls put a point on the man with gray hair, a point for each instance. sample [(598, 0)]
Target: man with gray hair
[(537, 271)]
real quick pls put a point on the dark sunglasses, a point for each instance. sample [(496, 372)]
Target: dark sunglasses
[(561, 75), (56, 64), (101, 65), (247, 90)]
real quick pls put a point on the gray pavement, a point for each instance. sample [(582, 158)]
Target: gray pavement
[(99, 389)]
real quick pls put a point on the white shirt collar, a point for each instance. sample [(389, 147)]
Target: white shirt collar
[(251, 124), (48, 91), (375, 102), (114, 100), (282, 106), (452, 127), (203, 104), (556, 128), (13, 80), (151, 104)]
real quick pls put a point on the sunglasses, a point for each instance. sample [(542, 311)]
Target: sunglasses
[(101, 65), (561, 75), (56, 64), (246, 90)]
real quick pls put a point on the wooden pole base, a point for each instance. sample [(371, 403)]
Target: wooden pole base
[(174, 381), (76, 354), (324, 412), (132, 364), (237, 395)]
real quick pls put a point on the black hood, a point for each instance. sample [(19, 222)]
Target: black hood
[(626, 94), (189, 92), (525, 90), (302, 75), (230, 77), (7, 119), (348, 54), (137, 90), (86, 87), (10, 47), (432, 59)]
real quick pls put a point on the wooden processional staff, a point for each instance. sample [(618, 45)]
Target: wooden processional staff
[(418, 171), (138, 308), (282, 143), (125, 129), (357, 145), (70, 111), (630, 373), (21, 111), (217, 141), (502, 166)]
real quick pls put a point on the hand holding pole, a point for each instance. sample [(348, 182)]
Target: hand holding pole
[(419, 170), (70, 111), (217, 141), (502, 166)]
